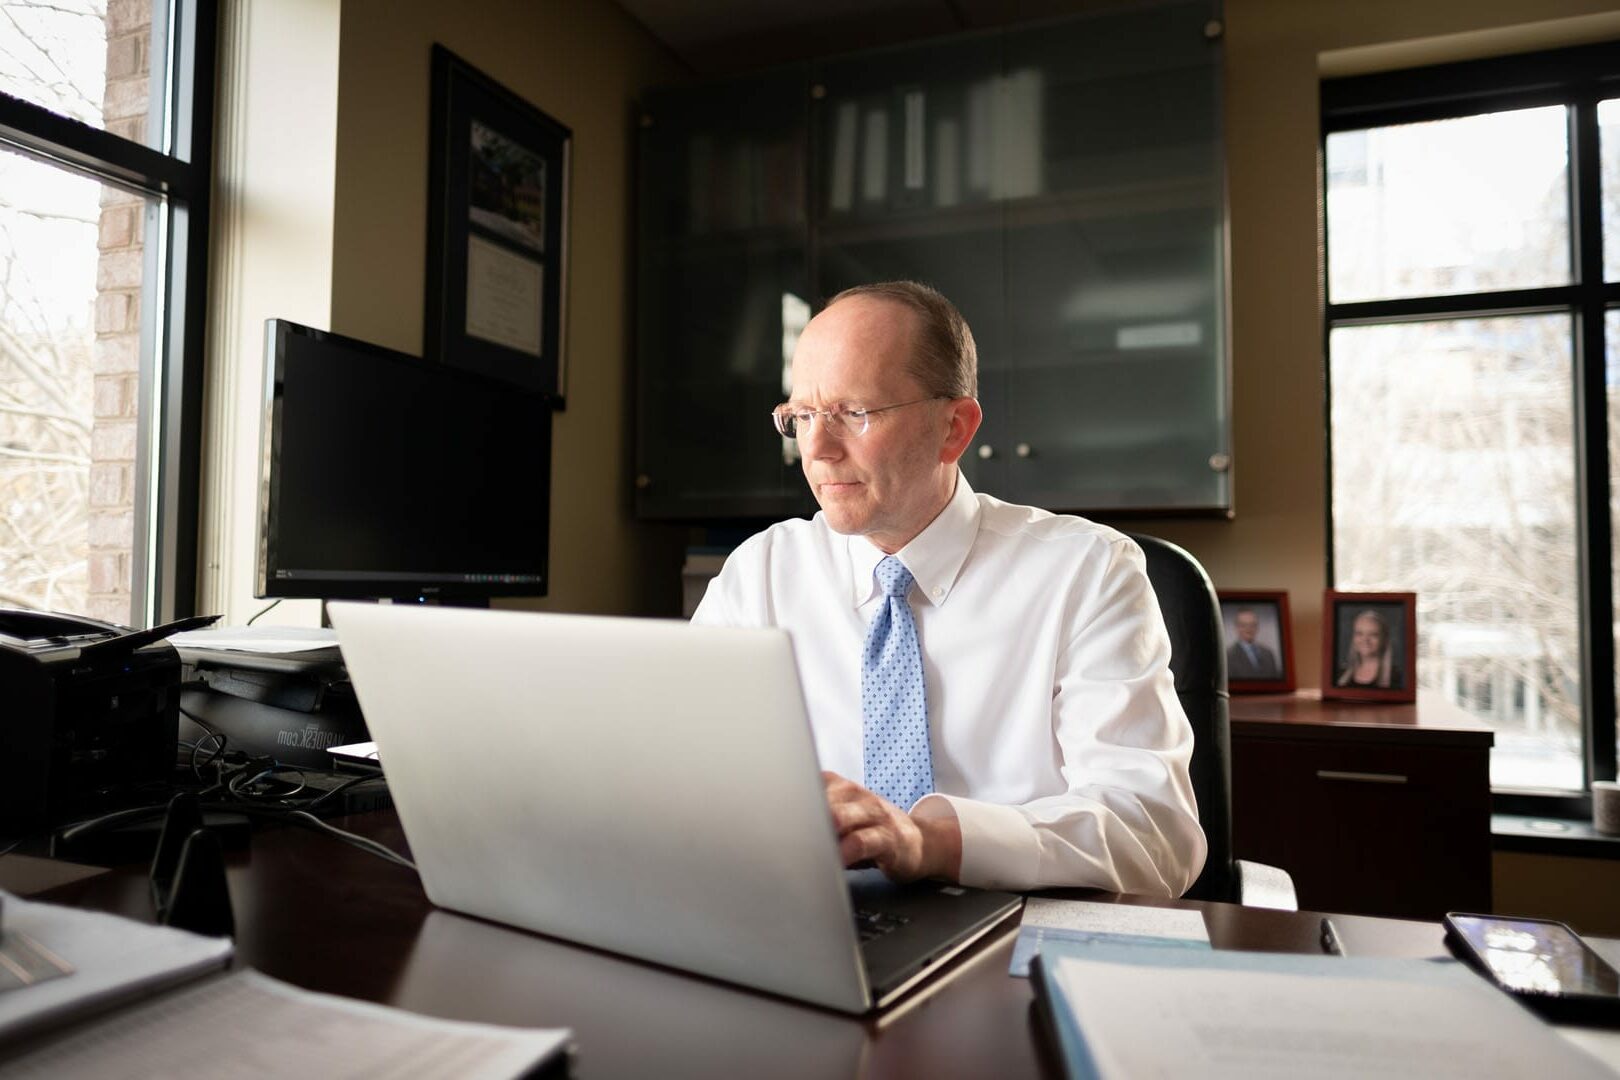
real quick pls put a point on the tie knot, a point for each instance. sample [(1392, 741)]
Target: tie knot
[(893, 577)]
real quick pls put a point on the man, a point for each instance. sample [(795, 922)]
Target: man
[(988, 684), (1246, 658)]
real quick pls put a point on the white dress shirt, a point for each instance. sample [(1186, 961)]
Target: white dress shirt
[(1054, 726)]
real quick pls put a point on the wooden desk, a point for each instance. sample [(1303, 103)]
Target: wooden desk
[(1373, 808), (318, 913)]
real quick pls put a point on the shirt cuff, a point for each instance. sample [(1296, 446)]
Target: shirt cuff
[(1000, 848)]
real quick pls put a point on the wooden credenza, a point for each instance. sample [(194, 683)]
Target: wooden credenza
[(1374, 809)]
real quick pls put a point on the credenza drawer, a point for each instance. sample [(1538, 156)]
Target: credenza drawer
[(1376, 828)]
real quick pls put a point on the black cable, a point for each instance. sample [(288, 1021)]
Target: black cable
[(237, 784), (345, 786), (218, 753), (272, 604), (299, 817), (195, 719)]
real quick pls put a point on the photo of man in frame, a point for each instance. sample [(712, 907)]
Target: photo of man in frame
[(1253, 640)]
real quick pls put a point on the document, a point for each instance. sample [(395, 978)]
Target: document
[(110, 958), (248, 1024), (141, 1000), (1125, 1012), (1081, 922), (258, 639)]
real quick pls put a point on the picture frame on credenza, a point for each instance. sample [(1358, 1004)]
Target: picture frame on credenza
[(1259, 641), (1369, 646)]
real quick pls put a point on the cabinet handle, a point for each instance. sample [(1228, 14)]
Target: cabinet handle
[(1023, 450), (986, 452), (1361, 777)]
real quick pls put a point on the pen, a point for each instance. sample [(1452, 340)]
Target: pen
[(1330, 939)]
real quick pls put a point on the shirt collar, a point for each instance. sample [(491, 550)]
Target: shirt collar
[(934, 556)]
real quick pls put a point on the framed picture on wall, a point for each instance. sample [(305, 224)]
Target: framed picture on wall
[(1259, 642), (1369, 646), (497, 264)]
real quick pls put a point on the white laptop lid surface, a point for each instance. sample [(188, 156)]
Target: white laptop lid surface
[(643, 786)]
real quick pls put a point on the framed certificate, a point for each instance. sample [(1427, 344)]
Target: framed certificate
[(497, 231)]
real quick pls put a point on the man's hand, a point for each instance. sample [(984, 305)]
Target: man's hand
[(874, 832)]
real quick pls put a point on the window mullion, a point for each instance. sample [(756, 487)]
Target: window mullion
[(1593, 465)]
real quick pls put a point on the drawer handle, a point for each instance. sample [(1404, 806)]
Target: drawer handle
[(1361, 777)]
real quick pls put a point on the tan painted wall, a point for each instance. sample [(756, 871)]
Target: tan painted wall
[(1582, 892), (1278, 539), (582, 62)]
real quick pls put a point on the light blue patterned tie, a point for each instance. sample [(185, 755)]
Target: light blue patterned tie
[(894, 705)]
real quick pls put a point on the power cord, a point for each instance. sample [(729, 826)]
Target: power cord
[(239, 786), (265, 610)]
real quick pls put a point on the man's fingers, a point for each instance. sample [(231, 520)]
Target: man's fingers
[(863, 846), (856, 814)]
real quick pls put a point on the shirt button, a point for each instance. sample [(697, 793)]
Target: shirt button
[(938, 592)]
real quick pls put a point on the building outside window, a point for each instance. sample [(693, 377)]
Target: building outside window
[(1473, 246), (103, 198)]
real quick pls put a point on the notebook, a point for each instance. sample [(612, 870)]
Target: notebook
[(643, 786)]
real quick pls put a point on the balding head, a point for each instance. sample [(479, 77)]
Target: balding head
[(943, 358)]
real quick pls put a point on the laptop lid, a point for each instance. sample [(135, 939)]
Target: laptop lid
[(643, 786)]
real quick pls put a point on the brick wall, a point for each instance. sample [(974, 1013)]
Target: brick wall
[(118, 324)]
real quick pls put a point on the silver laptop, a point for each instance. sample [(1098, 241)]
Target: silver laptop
[(642, 786)]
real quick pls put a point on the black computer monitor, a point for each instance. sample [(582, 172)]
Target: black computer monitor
[(386, 476)]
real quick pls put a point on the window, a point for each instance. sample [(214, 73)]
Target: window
[(1473, 341), (105, 124)]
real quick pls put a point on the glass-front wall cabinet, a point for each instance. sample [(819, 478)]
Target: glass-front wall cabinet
[(1061, 182)]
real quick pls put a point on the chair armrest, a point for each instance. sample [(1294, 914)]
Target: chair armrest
[(1265, 886)]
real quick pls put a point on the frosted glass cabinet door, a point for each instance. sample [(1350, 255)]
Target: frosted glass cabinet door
[(721, 235), (1114, 255), (905, 185)]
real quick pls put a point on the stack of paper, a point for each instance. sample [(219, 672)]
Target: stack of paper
[(113, 1011), (1081, 922), (1129, 1012)]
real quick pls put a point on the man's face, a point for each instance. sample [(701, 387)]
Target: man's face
[(889, 483), (1248, 625)]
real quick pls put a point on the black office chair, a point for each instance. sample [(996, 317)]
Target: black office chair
[(1192, 614)]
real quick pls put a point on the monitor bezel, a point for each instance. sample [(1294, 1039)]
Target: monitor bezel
[(278, 332)]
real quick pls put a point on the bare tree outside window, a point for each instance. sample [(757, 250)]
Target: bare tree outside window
[(71, 282), (1454, 443)]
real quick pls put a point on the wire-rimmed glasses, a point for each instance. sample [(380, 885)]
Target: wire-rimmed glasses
[(839, 421)]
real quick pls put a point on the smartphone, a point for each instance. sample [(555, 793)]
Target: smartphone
[(1543, 963)]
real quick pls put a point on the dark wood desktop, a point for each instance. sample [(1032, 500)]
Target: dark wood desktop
[(323, 915)]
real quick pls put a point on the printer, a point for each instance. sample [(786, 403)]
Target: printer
[(89, 719), (287, 705)]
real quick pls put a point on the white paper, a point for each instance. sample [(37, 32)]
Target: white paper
[(258, 639), (366, 750), (111, 957), (1179, 923), (504, 292), (250, 1025), (1190, 1022)]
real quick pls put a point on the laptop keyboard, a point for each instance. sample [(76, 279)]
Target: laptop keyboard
[(874, 924)]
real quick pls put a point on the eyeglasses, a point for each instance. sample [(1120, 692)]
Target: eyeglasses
[(840, 421)]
